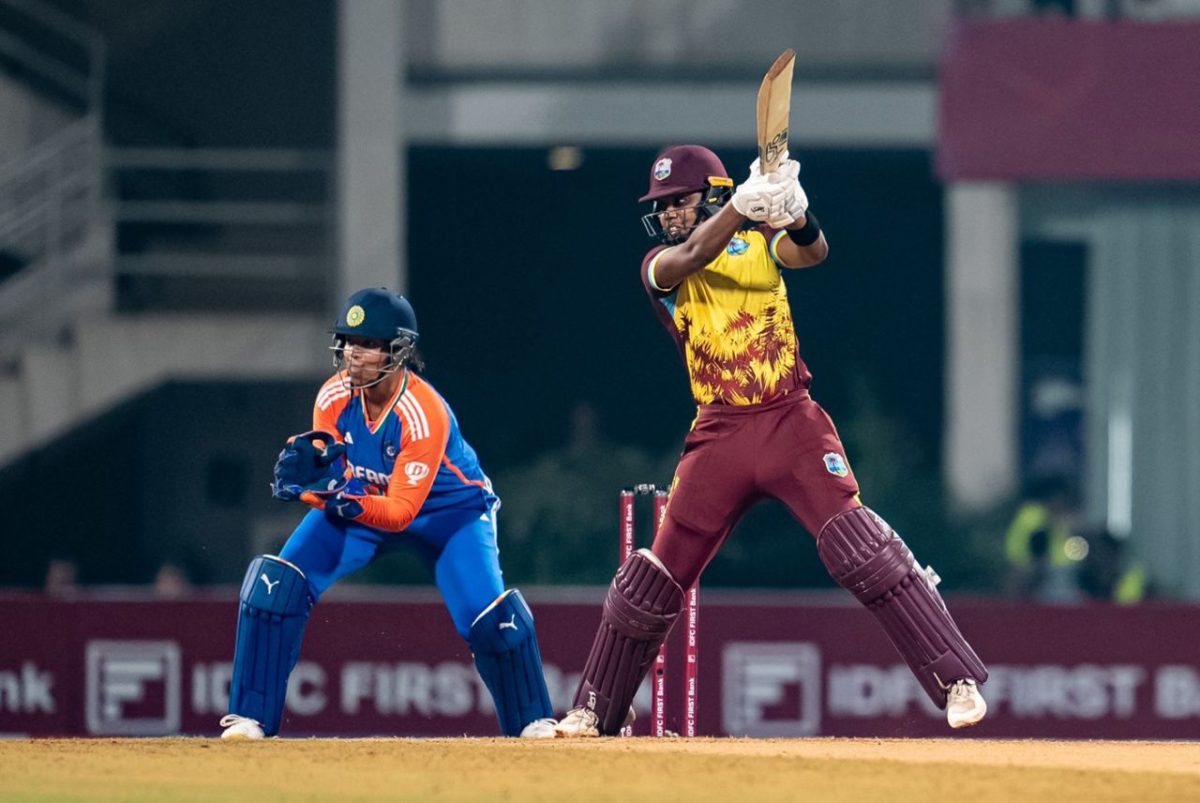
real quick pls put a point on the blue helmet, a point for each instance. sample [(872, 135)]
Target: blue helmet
[(378, 314)]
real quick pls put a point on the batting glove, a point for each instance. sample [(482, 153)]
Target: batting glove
[(757, 197), (794, 201)]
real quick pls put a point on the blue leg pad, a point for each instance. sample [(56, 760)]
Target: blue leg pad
[(275, 603), (507, 657)]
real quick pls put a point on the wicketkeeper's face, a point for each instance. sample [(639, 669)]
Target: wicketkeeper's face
[(678, 216), (365, 358)]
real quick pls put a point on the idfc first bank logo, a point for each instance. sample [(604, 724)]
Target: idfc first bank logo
[(771, 689), (133, 688)]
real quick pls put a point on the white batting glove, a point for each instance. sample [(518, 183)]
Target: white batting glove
[(794, 202), (757, 198)]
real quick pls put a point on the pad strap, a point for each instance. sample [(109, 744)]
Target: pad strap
[(867, 558), (642, 605)]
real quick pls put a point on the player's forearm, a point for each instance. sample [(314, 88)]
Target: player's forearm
[(803, 243), (792, 255), (387, 513), (702, 247)]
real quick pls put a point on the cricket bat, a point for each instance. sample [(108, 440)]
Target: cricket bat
[(774, 102)]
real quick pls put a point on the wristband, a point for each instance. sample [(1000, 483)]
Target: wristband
[(807, 235)]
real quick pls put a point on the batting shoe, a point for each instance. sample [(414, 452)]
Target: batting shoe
[(539, 729), (583, 722), (241, 728), (964, 704)]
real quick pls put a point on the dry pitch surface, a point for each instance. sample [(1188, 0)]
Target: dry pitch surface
[(759, 770)]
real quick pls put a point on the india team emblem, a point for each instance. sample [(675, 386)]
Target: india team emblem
[(355, 316), (835, 464), (662, 169)]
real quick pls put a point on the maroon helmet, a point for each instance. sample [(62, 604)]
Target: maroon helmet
[(684, 169)]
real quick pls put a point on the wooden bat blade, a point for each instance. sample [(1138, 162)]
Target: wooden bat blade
[(774, 103)]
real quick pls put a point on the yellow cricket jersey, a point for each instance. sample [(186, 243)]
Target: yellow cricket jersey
[(732, 323)]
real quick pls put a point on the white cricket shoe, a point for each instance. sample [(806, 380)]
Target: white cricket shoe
[(539, 729), (964, 704), (240, 728), (584, 722)]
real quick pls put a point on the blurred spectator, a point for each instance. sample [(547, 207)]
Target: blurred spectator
[(1109, 574), (171, 582), (61, 578), (1041, 549)]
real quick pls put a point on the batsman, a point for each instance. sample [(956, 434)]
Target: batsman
[(385, 467), (715, 284)]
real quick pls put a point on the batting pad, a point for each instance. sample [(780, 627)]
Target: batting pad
[(509, 661), (275, 605), (866, 557), (641, 607)]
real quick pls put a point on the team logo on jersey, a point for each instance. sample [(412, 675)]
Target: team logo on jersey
[(355, 316), (415, 472), (737, 246), (662, 169), (390, 451), (835, 464)]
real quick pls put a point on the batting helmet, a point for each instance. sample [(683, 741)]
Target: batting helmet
[(682, 170)]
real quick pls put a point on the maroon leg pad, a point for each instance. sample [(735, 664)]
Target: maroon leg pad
[(867, 558), (642, 605)]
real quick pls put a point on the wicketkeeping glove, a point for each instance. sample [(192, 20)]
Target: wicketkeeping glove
[(344, 503), (310, 462)]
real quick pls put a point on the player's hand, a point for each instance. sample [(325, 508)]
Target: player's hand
[(311, 461), (346, 503), (344, 506), (794, 201), (757, 197)]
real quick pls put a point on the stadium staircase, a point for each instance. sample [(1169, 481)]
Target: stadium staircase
[(124, 268)]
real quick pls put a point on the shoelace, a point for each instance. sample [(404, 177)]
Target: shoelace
[(960, 692)]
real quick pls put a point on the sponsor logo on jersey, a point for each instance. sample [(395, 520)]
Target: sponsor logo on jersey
[(349, 438), (662, 169), (415, 472), (737, 246), (370, 475), (835, 464), (355, 316)]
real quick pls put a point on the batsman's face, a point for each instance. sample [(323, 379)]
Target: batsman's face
[(678, 217)]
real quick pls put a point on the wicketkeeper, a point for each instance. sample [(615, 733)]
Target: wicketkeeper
[(385, 467)]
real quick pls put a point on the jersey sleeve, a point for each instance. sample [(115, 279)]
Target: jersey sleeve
[(422, 448), (331, 400), (772, 235), (648, 281)]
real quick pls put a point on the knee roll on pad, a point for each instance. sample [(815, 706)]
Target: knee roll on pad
[(275, 603), (866, 557), (508, 659), (642, 605)]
